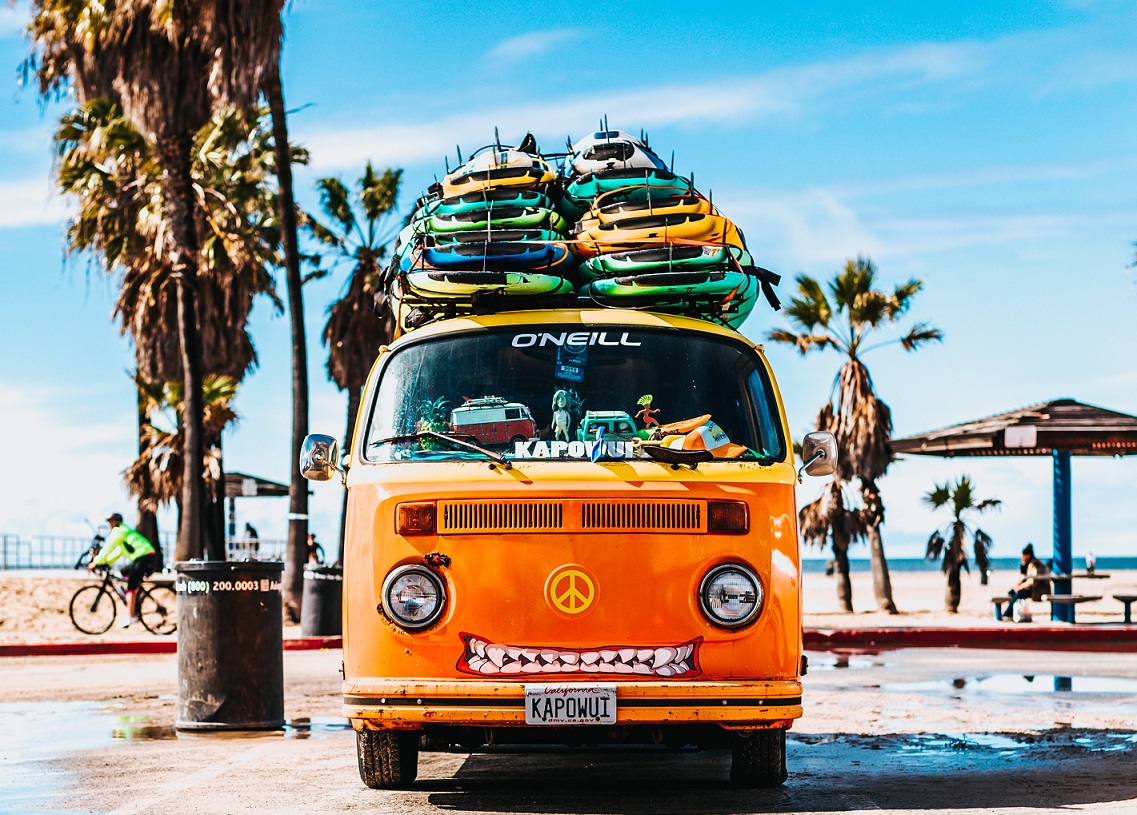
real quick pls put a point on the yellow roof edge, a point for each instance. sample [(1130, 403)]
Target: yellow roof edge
[(571, 316)]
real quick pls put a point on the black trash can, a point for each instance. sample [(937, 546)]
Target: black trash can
[(230, 646), (321, 614)]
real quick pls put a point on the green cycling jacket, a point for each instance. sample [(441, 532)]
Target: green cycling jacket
[(123, 541)]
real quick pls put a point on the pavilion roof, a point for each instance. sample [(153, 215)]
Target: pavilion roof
[(1036, 430), (240, 485)]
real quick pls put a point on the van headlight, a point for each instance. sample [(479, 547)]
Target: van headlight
[(731, 595), (414, 596)]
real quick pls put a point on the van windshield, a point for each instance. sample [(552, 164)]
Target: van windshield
[(580, 392)]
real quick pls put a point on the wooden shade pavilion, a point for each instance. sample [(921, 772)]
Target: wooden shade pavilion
[(240, 485), (1060, 429)]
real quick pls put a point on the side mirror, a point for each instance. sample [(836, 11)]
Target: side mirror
[(819, 452), (319, 457)]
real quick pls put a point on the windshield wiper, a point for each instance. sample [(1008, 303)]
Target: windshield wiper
[(504, 463)]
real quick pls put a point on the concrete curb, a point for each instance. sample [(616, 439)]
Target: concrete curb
[(70, 649), (1121, 639), (1084, 638)]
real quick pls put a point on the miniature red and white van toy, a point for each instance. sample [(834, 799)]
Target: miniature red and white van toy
[(493, 420)]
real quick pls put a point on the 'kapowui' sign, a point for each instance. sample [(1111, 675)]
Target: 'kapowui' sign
[(573, 449)]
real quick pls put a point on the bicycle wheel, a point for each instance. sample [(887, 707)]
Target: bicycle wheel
[(158, 610), (92, 609)]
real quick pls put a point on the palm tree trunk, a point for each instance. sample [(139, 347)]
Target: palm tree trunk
[(841, 560), (174, 156), (881, 583), (354, 395), (954, 591), (215, 539), (874, 512), (297, 549), (147, 523)]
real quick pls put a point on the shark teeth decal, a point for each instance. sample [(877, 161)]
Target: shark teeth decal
[(485, 658)]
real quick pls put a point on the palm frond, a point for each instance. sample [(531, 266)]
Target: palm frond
[(901, 299), (335, 201), (378, 193), (920, 334), (981, 545), (938, 497), (935, 546), (962, 497)]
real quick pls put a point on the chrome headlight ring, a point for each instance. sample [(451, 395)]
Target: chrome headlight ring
[(731, 596), (414, 596)]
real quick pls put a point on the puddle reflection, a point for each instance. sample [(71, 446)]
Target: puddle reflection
[(1016, 683)]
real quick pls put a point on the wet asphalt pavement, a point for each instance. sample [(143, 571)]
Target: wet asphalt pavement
[(904, 731)]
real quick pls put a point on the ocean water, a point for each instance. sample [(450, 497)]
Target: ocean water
[(998, 564)]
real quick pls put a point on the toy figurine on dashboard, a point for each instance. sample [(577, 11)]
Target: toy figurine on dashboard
[(646, 413), (562, 419)]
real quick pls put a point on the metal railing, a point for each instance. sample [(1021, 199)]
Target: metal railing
[(63, 551), (255, 549)]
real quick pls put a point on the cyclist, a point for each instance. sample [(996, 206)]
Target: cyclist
[(124, 541)]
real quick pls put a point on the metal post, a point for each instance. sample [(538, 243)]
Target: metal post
[(1063, 535)]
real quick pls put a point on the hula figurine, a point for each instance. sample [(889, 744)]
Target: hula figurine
[(647, 414)]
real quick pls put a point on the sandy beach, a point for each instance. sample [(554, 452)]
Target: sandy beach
[(33, 605)]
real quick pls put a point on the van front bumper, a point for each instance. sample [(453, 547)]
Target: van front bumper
[(392, 704)]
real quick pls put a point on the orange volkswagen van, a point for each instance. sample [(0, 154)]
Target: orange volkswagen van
[(638, 587)]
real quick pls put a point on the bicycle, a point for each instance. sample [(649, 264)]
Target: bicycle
[(91, 552), (93, 608)]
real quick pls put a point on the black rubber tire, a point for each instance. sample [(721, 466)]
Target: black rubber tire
[(158, 610), (517, 439), (759, 760), (388, 759), (92, 609)]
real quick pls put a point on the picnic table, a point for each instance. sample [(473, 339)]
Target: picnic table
[(1059, 598)]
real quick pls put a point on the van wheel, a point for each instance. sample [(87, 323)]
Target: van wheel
[(759, 760), (517, 439), (388, 759)]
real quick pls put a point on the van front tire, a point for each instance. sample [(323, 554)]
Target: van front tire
[(388, 759), (759, 759)]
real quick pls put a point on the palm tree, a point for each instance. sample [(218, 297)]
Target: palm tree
[(361, 320), (845, 321), (297, 547), (832, 518), (154, 478), (107, 166), (962, 499), (167, 65)]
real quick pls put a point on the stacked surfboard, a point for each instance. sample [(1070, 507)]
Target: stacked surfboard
[(611, 226)]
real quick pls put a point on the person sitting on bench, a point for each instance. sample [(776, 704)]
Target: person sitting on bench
[(1032, 585)]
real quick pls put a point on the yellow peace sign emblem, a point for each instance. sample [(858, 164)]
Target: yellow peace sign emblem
[(571, 591)]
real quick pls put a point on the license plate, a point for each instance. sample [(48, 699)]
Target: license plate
[(570, 704)]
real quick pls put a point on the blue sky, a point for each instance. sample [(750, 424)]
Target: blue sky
[(986, 148)]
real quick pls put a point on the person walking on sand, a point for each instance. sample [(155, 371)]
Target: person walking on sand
[(252, 539), (1033, 584), (124, 541), (315, 551)]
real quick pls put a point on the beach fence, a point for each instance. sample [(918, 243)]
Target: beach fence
[(64, 551)]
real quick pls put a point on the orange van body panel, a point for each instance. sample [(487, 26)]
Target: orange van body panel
[(644, 584)]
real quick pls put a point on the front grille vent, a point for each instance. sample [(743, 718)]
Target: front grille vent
[(643, 516), (501, 516)]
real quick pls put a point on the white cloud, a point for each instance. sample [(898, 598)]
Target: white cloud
[(13, 20), (991, 176), (531, 44), (61, 463), (822, 223), (778, 94), (29, 202), (813, 225)]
